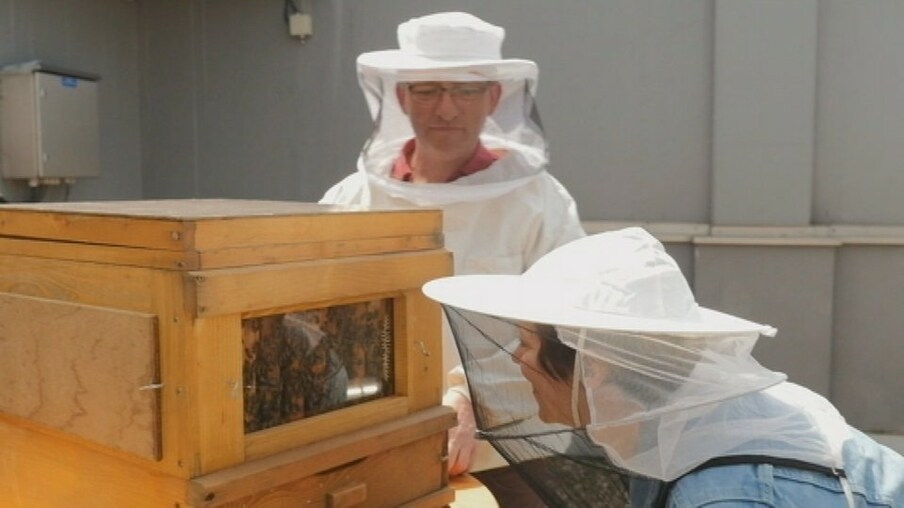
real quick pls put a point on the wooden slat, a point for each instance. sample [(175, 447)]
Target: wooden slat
[(189, 209), (39, 468), (305, 251), (87, 283), (317, 428), (206, 225), (84, 370), (222, 258), (218, 377), (104, 230), (247, 289), (214, 234), (281, 469), (101, 254), (409, 475), (167, 297), (419, 350)]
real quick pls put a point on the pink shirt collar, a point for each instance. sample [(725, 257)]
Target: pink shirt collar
[(482, 159)]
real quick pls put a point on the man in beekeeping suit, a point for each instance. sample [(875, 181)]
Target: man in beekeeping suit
[(455, 128)]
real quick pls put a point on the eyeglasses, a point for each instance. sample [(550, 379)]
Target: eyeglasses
[(429, 93)]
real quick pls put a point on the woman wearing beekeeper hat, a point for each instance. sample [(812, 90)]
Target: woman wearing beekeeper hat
[(631, 377)]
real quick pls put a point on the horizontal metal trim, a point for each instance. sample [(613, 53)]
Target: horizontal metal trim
[(805, 236)]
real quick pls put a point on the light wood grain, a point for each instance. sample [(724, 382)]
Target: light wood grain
[(205, 225), (47, 469), (342, 452), (84, 370), (227, 257), (419, 350), (246, 289), (106, 254), (99, 276), (219, 385), (87, 283), (329, 425), (323, 227), (166, 295), (305, 251)]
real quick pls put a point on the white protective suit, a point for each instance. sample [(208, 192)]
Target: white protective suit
[(498, 220)]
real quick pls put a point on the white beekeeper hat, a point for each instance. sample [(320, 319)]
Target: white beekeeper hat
[(619, 280), (454, 43)]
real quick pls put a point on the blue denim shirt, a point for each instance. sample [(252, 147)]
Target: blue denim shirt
[(875, 474)]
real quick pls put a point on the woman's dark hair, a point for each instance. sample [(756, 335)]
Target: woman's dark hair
[(554, 357)]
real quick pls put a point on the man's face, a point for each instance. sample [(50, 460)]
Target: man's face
[(447, 116)]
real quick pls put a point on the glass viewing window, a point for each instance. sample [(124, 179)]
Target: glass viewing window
[(305, 363)]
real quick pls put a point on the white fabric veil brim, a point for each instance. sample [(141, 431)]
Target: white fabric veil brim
[(509, 128), (519, 298), (395, 62)]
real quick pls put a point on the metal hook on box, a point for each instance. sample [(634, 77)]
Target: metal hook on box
[(153, 386), (423, 348)]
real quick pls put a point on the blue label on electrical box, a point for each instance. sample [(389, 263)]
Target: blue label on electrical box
[(69, 81)]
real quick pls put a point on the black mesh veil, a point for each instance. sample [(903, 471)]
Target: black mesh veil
[(558, 461)]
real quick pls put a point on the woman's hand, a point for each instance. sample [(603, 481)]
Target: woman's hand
[(462, 442)]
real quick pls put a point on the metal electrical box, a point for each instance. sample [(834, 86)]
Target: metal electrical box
[(48, 124)]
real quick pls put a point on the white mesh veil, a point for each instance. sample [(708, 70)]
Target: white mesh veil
[(513, 127), (662, 405)]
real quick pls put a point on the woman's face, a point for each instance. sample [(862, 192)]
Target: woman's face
[(553, 395)]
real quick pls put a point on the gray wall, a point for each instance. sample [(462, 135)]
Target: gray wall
[(213, 98), (760, 140), (234, 107), (266, 101), (96, 37), (859, 153)]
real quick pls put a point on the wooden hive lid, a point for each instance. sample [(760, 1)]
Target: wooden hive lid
[(193, 234)]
